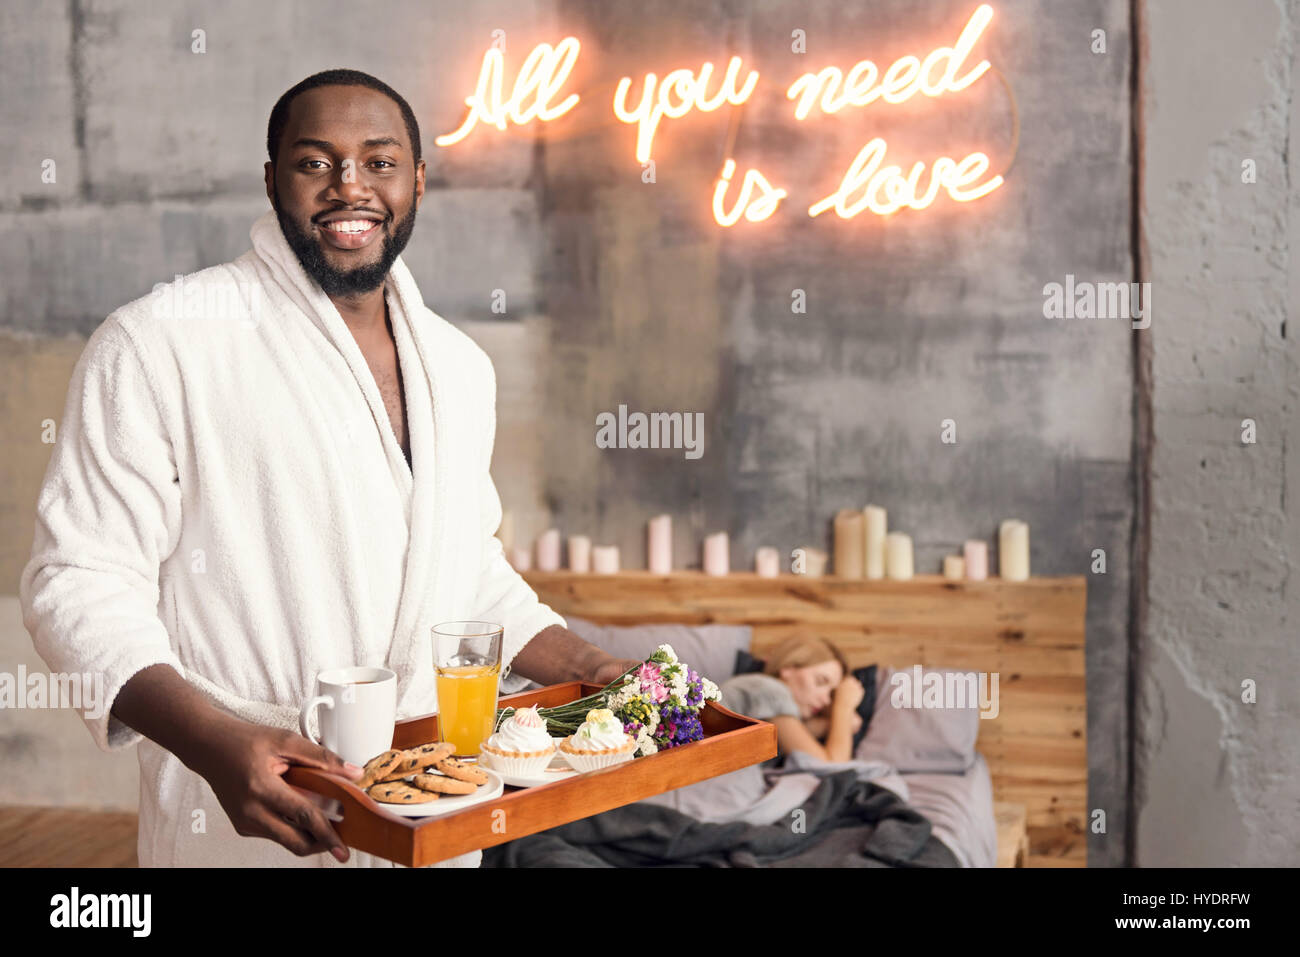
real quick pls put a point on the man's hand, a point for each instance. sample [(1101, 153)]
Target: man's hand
[(245, 765), (555, 655), (613, 668), (242, 762)]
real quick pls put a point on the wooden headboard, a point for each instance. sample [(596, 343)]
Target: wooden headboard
[(1030, 633)]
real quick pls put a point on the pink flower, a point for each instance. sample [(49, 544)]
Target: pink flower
[(652, 682)]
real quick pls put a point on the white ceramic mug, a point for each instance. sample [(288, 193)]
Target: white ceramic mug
[(361, 709)]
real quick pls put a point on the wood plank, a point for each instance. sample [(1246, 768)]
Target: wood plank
[(1013, 836), (66, 837)]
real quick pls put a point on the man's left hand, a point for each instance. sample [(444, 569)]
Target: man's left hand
[(611, 668)]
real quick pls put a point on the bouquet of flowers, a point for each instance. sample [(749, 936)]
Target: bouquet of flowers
[(658, 702)]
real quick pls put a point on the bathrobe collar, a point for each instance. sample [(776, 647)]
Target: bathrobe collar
[(415, 331)]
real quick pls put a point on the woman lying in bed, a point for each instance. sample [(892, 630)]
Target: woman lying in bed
[(805, 690)]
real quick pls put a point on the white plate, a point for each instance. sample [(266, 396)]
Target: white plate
[(448, 803)]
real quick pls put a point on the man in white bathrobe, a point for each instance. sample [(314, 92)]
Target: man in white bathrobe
[(270, 468)]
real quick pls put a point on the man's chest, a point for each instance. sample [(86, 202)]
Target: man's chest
[(387, 372)]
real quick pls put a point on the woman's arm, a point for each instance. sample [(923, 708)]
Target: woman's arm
[(793, 735)]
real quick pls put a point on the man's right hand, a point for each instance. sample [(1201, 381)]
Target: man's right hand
[(243, 763), (245, 766)]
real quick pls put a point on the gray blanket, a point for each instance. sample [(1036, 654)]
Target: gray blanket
[(845, 822)]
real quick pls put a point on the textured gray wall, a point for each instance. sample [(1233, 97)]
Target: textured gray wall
[(1217, 779)]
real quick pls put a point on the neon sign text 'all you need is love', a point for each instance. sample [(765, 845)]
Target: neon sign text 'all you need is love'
[(869, 184)]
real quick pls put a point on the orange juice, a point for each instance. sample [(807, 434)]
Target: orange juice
[(467, 705)]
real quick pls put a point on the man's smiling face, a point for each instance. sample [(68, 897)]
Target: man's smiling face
[(345, 186)]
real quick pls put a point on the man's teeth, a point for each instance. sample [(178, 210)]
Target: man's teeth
[(350, 226)]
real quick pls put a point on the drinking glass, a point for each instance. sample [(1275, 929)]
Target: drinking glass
[(467, 659)]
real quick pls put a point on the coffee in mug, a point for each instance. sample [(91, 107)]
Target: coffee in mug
[(360, 712)]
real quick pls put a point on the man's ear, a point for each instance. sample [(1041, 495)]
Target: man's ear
[(268, 171), (419, 183)]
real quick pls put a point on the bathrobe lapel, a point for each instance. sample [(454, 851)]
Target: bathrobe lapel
[(418, 483)]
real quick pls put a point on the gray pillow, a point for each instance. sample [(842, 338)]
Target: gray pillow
[(709, 649), (915, 739)]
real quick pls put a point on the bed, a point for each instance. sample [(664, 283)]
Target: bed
[(1021, 801)]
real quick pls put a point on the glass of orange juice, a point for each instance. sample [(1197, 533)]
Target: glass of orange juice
[(467, 658)]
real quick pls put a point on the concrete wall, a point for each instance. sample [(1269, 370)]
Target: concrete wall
[(1216, 777)]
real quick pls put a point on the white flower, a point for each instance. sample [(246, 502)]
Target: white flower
[(711, 691), (645, 743), (669, 653)]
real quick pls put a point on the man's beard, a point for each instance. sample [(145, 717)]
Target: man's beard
[(339, 282)]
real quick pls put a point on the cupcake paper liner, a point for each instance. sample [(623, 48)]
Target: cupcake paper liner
[(594, 760), (525, 765)]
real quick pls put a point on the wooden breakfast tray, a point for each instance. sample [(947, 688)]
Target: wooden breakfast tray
[(731, 741)]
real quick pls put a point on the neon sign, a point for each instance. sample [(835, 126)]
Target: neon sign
[(690, 91), (867, 185), (545, 70), (902, 81)]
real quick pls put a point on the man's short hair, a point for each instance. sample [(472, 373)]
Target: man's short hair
[(280, 112)]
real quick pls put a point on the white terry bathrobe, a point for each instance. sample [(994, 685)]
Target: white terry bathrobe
[(226, 496)]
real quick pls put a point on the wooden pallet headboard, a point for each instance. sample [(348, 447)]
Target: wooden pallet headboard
[(1030, 633)]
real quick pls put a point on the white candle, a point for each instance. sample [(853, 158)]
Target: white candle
[(659, 544), (506, 531), (898, 556), (579, 553), (604, 559), (717, 558), (521, 559), (954, 567), (548, 550), (877, 526), (1013, 550), (977, 560), (850, 542), (767, 562), (814, 561)]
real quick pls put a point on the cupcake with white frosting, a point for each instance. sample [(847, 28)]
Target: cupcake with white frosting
[(521, 746), (599, 742)]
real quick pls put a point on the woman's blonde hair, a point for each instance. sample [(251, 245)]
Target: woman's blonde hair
[(800, 652)]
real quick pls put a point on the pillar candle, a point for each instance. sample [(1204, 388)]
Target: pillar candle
[(506, 531), (604, 559), (717, 558), (954, 567), (898, 556), (548, 550), (521, 559), (814, 561), (579, 553), (659, 544), (877, 526), (767, 562), (850, 543), (1013, 550), (977, 560)]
